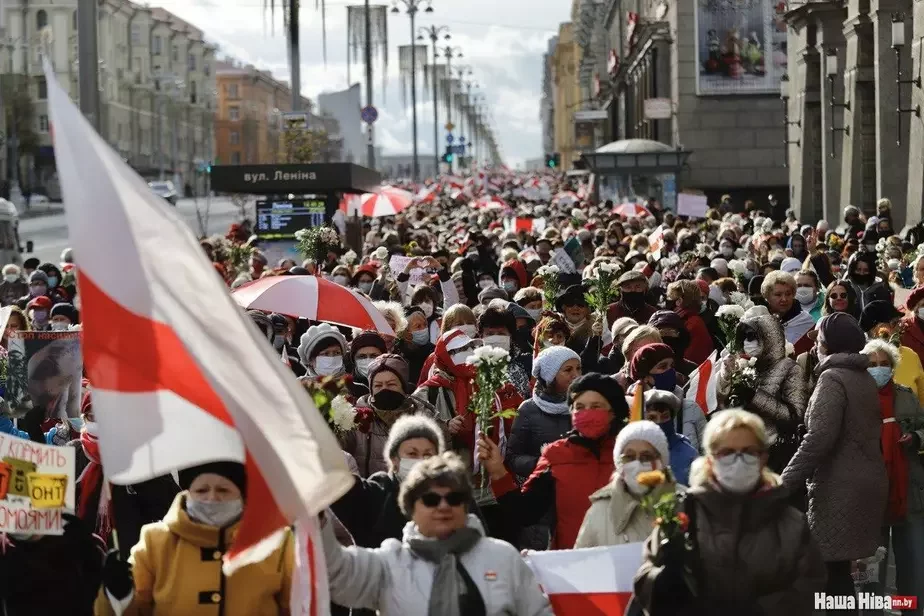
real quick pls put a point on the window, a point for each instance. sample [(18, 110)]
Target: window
[(176, 53), (157, 45), (43, 123), (192, 92), (41, 19), (136, 34), (235, 158), (207, 69), (42, 88), (235, 137), (232, 91), (191, 61), (234, 113), (74, 20)]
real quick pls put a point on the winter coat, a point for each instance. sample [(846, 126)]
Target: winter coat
[(841, 461), (701, 345), (618, 310), (395, 581), (616, 516), (913, 334), (753, 554), (690, 421), (367, 447), (909, 372), (177, 570), (533, 428), (780, 397), (910, 416), (12, 291), (577, 342), (681, 450), (568, 472), (416, 357)]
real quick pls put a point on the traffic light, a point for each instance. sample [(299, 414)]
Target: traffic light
[(448, 155), (552, 160)]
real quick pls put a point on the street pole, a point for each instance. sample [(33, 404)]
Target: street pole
[(160, 137), (370, 147), (436, 121), (88, 58), (174, 145), (415, 175), (294, 67)]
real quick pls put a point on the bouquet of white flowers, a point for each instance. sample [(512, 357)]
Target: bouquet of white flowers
[(316, 242), (491, 374), (729, 315), (349, 258), (743, 382), (550, 285), (602, 280)]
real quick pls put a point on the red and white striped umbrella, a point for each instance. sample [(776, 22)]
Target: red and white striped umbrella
[(313, 298), (425, 195), (489, 203), (566, 197), (387, 201), (631, 210)]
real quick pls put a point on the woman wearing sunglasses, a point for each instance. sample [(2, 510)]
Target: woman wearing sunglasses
[(840, 297), (739, 517), (444, 565)]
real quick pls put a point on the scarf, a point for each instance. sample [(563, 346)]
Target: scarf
[(893, 455), (444, 553), (460, 380), (90, 479), (551, 405)]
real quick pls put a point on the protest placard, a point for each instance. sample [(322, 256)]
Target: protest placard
[(418, 275), (44, 369), (692, 205), (36, 486)]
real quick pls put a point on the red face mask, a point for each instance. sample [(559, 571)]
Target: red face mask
[(593, 423)]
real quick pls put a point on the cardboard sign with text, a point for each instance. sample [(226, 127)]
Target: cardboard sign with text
[(418, 276), (45, 369), (36, 486)]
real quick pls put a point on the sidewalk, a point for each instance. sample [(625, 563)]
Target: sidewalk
[(39, 210)]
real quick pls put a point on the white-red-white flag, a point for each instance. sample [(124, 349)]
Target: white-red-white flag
[(180, 375), (703, 382), (588, 582)]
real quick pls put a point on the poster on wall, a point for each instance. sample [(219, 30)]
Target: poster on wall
[(740, 46)]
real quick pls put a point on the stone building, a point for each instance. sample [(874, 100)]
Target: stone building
[(852, 123), (566, 96)]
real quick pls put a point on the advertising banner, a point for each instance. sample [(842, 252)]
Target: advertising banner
[(740, 47)]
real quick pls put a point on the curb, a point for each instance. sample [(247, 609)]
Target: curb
[(40, 212)]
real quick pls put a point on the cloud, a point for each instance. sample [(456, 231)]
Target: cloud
[(503, 42)]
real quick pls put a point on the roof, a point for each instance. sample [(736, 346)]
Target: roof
[(634, 146)]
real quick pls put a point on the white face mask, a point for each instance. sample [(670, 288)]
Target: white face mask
[(405, 466), (342, 280), (920, 313), (461, 357), (327, 366), (534, 313), (11, 277), (365, 287), (469, 330), (427, 308), (362, 367), (821, 355), (502, 342), (59, 326), (737, 473), (485, 284), (728, 252), (218, 513), (805, 295), (91, 427), (630, 471), (751, 348)]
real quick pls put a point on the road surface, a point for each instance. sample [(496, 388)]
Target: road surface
[(49, 233)]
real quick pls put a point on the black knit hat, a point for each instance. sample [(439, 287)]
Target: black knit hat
[(65, 310), (232, 471), (879, 311), (367, 339), (606, 386)]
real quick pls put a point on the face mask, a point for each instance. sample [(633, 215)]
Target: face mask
[(91, 427), (613, 241), (502, 342), (405, 467), (820, 354), (738, 474), (630, 471), (666, 381), (327, 366), (703, 305), (805, 295), (633, 298), (217, 514), (278, 343), (534, 313), (748, 274), (11, 277), (469, 330), (427, 308), (485, 284), (920, 313), (59, 326), (52, 281), (881, 374), (751, 348), (459, 359), (592, 423), (38, 290), (510, 286), (362, 367), (388, 400), (421, 337), (39, 316), (728, 252), (342, 280), (365, 287)]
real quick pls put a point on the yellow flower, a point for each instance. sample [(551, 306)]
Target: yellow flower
[(651, 479)]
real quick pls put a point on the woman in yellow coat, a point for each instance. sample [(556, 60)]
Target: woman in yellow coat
[(175, 569)]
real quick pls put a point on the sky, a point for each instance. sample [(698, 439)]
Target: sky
[(503, 42)]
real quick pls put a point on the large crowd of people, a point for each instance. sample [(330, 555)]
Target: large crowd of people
[(761, 376)]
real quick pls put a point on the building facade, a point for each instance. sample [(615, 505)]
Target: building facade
[(156, 78), (547, 102), (854, 101), (566, 98), (343, 106)]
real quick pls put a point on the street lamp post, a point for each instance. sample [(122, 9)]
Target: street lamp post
[(434, 32), (412, 7)]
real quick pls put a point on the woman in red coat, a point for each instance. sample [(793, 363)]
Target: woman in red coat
[(684, 298), (913, 323)]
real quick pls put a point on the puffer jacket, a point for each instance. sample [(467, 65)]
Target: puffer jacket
[(395, 581), (910, 416), (841, 461), (780, 397), (367, 447), (616, 516), (532, 429), (753, 554)]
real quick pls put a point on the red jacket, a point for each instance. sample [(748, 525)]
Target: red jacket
[(700, 341), (568, 472), (913, 335), (617, 310)]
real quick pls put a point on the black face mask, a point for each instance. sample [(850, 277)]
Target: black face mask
[(670, 304), (633, 299), (388, 400), (674, 343), (863, 278)]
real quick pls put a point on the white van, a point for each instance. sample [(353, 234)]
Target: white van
[(10, 250)]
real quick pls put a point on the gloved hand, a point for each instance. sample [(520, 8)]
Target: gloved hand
[(117, 576), (32, 423), (741, 395)]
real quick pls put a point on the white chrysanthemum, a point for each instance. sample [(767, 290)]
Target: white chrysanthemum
[(609, 268), (742, 300), (301, 234), (488, 354), (342, 414), (741, 363), (730, 310), (350, 257), (380, 253), (737, 266)]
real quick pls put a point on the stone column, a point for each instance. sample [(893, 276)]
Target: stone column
[(805, 156), (831, 36), (915, 203), (891, 158), (858, 76)]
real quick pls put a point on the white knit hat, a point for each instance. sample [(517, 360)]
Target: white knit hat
[(643, 430), (549, 362), (314, 335)]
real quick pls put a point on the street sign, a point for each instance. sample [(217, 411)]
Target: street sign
[(461, 139), (658, 109), (450, 126), (457, 149), (295, 119), (369, 114), (450, 138)]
